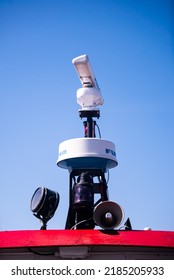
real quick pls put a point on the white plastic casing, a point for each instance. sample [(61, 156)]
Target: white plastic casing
[(84, 71), (87, 153), (89, 97)]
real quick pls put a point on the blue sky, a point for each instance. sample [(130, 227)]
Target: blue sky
[(131, 49)]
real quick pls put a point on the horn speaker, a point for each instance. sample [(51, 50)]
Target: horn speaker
[(108, 215)]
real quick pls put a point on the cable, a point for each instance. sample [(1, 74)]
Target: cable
[(81, 222), (40, 254), (98, 130), (100, 179), (108, 177)]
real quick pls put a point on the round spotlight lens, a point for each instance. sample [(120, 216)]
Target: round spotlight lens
[(44, 203), (37, 199)]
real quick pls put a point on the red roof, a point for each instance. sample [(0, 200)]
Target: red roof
[(40, 238)]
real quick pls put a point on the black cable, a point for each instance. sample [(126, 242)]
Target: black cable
[(107, 178), (40, 254), (98, 130)]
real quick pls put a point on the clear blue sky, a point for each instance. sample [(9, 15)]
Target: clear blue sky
[(131, 48)]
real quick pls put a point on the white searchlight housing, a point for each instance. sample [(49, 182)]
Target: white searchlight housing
[(87, 153), (89, 96)]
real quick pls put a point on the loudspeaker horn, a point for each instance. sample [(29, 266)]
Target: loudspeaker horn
[(108, 215)]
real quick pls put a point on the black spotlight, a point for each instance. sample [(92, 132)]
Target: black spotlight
[(43, 204), (83, 200)]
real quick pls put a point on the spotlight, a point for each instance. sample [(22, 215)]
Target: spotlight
[(43, 204)]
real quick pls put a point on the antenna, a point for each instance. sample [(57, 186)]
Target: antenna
[(89, 96), (84, 71), (88, 159)]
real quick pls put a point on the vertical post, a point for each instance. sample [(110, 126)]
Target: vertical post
[(71, 213), (90, 126), (74, 217)]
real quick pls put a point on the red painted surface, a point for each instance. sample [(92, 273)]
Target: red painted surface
[(40, 238)]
